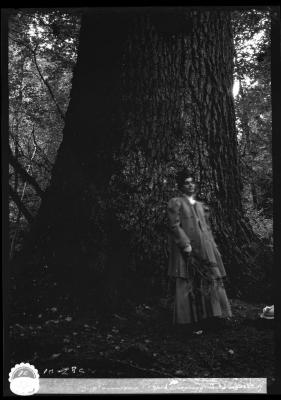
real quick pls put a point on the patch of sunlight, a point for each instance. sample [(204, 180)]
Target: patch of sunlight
[(250, 45), (236, 88)]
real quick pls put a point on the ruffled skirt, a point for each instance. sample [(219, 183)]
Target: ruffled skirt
[(192, 304)]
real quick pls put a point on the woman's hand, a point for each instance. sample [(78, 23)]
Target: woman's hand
[(187, 250)]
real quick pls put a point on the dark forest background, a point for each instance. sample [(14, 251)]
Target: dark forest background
[(105, 104), (94, 146)]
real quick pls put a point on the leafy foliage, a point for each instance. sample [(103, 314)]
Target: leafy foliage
[(42, 54), (253, 109)]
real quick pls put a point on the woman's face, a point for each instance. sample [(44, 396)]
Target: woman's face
[(189, 186)]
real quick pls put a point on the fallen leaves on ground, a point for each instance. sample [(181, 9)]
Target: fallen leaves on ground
[(117, 346)]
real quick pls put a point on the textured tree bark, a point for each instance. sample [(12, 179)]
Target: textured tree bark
[(140, 87), (179, 96)]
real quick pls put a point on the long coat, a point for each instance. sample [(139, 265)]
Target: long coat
[(188, 225)]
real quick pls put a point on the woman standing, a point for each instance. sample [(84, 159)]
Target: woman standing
[(195, 261)]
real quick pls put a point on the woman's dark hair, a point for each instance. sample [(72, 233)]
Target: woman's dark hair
[(182, 175)]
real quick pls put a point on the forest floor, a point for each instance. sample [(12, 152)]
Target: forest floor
[(142, 342)]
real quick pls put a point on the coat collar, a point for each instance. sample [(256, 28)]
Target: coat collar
[(190, 200)]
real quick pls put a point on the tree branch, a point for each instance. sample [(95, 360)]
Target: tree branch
[(17, 166), (45, 81), (20, 205), (48, 86), (20, 42), (41, 150)]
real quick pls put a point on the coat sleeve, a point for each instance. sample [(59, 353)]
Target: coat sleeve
[(178, 234)]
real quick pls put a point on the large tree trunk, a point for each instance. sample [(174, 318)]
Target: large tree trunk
[(152, 88)]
